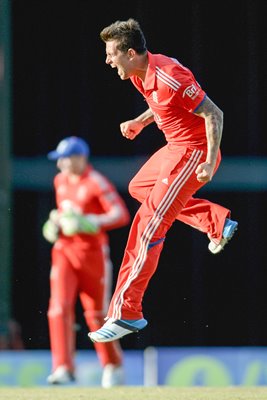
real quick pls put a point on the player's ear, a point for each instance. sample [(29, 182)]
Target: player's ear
[(131, 52)]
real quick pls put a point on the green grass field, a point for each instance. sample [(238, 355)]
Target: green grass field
[(135, 393)]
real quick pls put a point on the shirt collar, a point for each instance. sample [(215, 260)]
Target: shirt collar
[(88, 169), (85, 173)]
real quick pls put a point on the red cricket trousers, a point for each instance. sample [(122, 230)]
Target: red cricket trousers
[(78, 270), (164, 186)]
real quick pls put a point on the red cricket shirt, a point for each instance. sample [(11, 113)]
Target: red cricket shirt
[(173, 94)]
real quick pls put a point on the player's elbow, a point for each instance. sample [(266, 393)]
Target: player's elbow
[(220, 116)]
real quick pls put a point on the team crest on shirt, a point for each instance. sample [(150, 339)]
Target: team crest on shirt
[(191, 91), (155, 97)]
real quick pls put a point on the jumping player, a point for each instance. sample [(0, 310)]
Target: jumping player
[(88, 206), (165, 185)]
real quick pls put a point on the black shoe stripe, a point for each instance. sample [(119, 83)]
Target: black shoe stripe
[(126, 326)]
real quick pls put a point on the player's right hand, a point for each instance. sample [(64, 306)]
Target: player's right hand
[(130, 129), (54, 216), (50, 231), (50, 228)]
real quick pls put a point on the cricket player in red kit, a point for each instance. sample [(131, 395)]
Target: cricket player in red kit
[(88, 206), (165, 185)]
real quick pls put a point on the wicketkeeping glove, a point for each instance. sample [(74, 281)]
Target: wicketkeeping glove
[(50, 228), (72, 223), (50, 231)]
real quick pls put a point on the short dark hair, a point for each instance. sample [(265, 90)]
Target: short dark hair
[(128, 34)]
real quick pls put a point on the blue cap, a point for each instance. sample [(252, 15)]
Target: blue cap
[(68, 147)]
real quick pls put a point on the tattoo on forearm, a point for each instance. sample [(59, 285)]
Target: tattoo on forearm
[(213, 116)]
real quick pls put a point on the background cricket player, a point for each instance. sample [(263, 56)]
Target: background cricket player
[(88, 206), (165, 185)]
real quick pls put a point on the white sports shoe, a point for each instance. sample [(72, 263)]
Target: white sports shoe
[(113, 330), (60, 376), (113, 375), (229, 229)]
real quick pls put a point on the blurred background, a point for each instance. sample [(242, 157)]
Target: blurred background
[(54, 83)]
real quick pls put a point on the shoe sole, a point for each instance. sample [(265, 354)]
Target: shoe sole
[(116, 330), (226, 242)]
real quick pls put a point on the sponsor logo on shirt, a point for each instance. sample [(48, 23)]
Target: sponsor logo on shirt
[(191, 91)]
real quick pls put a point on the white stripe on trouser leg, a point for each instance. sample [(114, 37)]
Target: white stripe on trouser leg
[(155, 221), (108, 266), (153, 224)]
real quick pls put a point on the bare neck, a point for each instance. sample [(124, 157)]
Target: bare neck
[(141, 66)]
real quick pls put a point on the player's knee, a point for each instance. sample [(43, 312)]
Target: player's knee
[(56, 309), (131, 189), (94, 317), (135, 191)]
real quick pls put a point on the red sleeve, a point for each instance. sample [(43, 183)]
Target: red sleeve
[(190, 94)]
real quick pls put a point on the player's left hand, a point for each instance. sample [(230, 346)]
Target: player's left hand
[(204, 172), (72, 223), (69, 223)]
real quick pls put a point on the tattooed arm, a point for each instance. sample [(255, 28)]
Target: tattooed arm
[(214, 125)]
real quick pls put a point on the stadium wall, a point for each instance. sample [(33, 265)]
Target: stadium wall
[(184, 367)]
